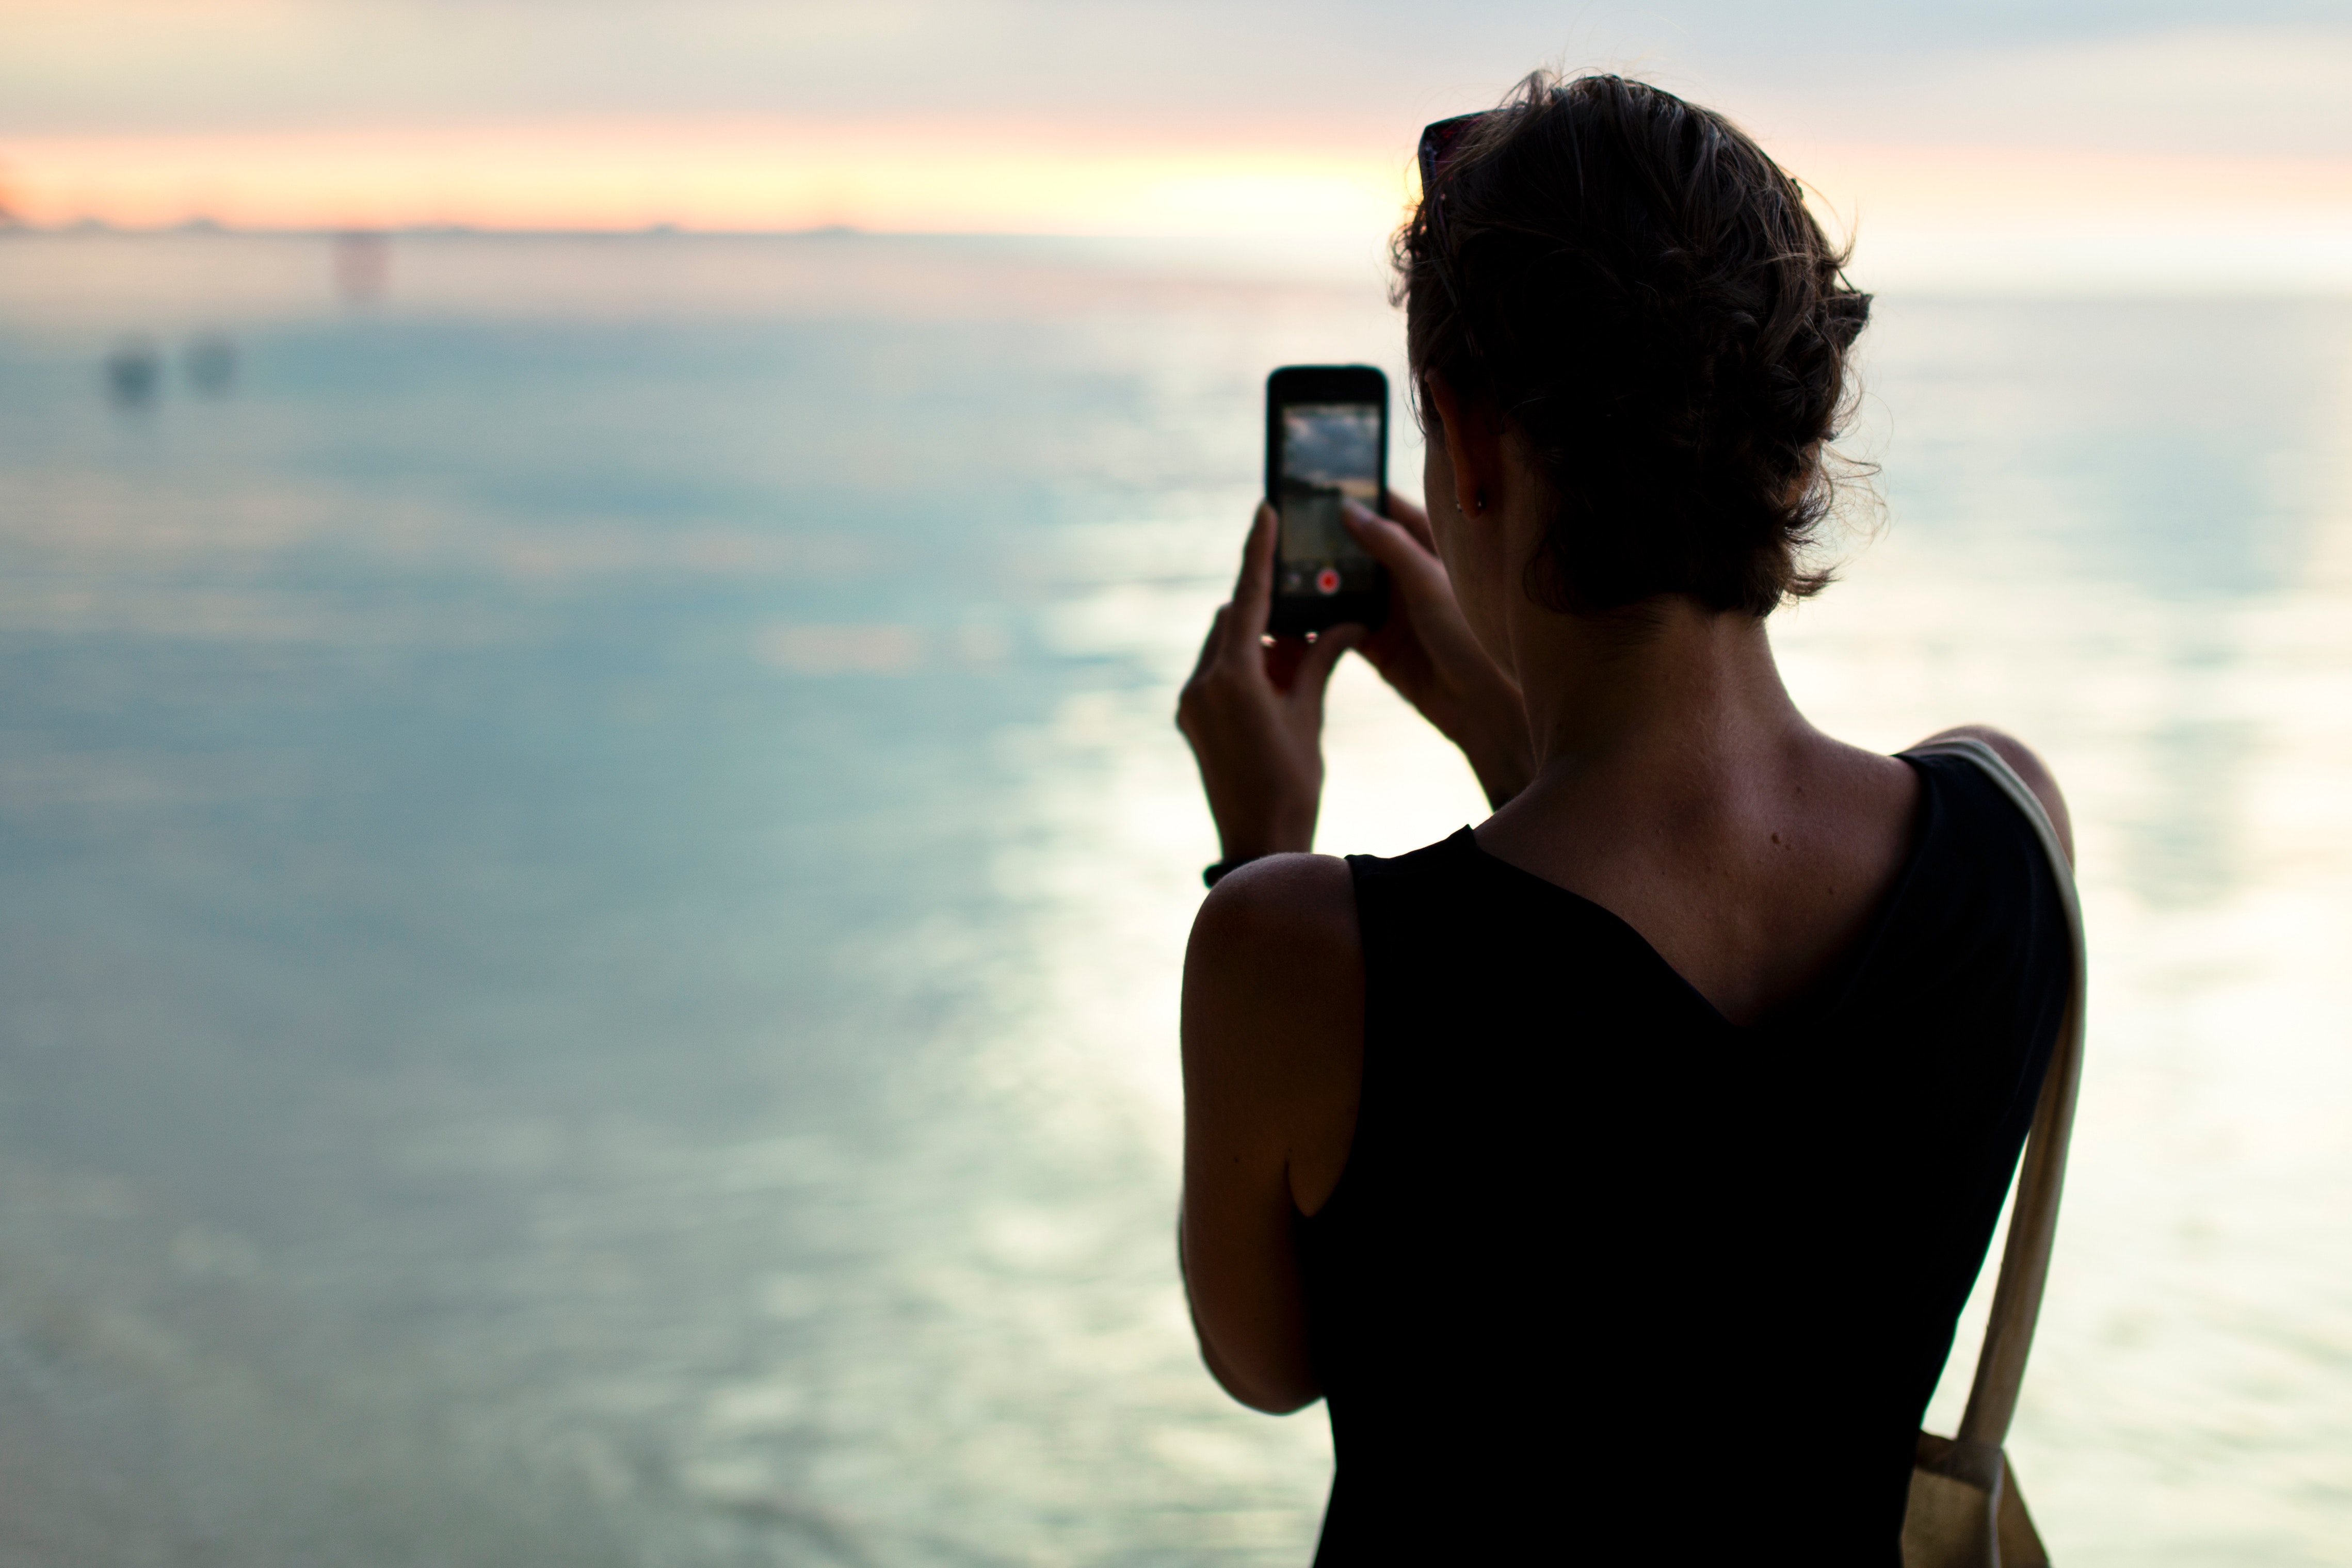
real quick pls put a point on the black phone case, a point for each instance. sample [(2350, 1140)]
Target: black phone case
[(1297, 615)]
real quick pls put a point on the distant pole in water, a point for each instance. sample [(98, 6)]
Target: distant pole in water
[(133, 372), (210, 363), (363, 266)]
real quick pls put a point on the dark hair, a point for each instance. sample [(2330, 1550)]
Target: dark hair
[(1641, 293)]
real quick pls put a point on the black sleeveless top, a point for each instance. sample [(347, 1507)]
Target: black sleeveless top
[(1608, 1279)]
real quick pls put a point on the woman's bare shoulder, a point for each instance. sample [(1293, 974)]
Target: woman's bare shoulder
[(1304, 902), (1275, 938), (1273, 1014), (2028, 765), (1272, 1008)]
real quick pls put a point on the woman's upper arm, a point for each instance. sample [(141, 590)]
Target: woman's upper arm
[(2028, 767), (1273, 1030)]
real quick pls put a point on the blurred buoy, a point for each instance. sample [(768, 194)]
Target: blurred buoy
[(363, 266), (210, 363), (133, 372)]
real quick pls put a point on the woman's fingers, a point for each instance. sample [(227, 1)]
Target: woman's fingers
[(1414, 518), (1255, 735), (1236, 629), (1253, 590), (1214, 642), (1409, 561)]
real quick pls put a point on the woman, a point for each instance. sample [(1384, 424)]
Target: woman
[(1616, 1169)]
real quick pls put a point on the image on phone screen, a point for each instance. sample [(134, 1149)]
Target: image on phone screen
[(1331, 453)]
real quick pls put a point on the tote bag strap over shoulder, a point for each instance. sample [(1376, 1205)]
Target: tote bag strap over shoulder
[(1965, 1507), (2033, 1219)]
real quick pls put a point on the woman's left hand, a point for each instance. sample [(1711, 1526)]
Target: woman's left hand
[(1254, 713)]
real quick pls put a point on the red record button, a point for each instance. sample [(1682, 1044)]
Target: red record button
[(1327, 581)]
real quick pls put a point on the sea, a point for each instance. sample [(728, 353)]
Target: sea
[(594, 862)]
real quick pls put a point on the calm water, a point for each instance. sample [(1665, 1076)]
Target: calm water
[(594, 865)]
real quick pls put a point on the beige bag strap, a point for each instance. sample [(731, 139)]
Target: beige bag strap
[(2033, 1219)]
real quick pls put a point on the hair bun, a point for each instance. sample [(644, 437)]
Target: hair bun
[(1641, 292)]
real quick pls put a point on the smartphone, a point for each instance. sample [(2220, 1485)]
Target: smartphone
[(1327, 440)]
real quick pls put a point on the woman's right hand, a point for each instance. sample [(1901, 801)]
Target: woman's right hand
[(1427, 652)]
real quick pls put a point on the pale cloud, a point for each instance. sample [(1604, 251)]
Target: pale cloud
[(1880, 68), (2256, 91)]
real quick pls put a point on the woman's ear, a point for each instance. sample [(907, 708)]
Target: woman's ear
[(1472, 450)]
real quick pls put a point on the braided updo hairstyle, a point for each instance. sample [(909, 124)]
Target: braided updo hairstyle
[(1641, 293)]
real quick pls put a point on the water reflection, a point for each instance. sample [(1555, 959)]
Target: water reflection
[(596, 861), (2166, 446)]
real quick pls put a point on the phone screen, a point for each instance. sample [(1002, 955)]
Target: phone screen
[(1330, 452)]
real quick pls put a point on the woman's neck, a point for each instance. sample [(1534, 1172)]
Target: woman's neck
[(1678, 787), (1664, 689)]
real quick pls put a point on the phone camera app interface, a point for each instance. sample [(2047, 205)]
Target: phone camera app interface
[(1331, 453)]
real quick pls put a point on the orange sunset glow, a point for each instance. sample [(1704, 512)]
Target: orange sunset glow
[(1933, 206), (2226, 149), (736, 177)]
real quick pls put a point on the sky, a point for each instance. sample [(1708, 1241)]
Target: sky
[(2160, 135)]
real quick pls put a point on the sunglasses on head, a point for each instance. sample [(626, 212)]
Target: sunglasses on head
[(1438, 142)]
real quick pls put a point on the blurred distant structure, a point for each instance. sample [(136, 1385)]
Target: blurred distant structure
[(133, 372), (363, 266), (210, 363)]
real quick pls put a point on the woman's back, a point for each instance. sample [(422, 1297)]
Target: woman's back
[(1617, 1169), (1601, 1261)]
